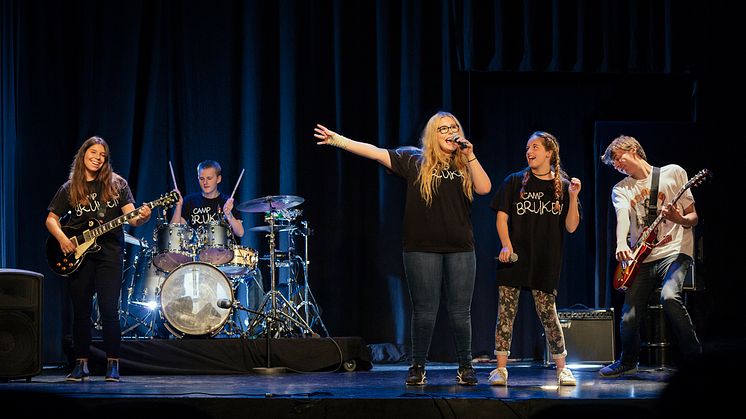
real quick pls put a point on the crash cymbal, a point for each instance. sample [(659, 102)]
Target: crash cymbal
[(270, 203), (128, 238), (278, 228)]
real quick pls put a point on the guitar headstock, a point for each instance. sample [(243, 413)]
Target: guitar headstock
[(169, 199), (700, 177)]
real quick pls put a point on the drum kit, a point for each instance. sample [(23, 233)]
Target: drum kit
[(187, 284)]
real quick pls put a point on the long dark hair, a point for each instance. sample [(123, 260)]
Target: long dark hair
[(109, 180), (550, 143)]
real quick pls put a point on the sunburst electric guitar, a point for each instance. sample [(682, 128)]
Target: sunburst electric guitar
[(85, 237), (625, 272)]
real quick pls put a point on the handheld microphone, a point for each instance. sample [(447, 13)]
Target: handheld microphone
[(511, 259), (225, 303), (456, 139)]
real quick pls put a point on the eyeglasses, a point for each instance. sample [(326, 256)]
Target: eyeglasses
[(445, 129)]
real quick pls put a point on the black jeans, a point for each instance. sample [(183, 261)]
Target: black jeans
[(100, 274), (669, 273)]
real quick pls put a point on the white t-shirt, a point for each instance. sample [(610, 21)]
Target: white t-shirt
[(629, 196)]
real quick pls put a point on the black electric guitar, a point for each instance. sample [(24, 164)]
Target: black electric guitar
[(85, 236), (625, 272)]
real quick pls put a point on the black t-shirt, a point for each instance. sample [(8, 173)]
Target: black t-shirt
[(444, 226), (198, 210), (112, 241), (536, 231)]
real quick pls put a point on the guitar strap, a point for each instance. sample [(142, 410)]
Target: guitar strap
[(652, 202)]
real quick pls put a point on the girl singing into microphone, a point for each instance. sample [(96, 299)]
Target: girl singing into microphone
[(534, 207), (438, 243)]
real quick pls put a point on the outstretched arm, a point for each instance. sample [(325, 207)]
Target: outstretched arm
[(366, 150)]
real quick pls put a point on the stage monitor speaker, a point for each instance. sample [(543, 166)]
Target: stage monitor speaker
[(20, 323), (589, 335)]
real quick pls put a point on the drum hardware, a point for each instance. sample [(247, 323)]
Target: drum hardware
[(281, 217), (130, 239), (299, 296), (145, 282), (278, 229), (309, 301), (271, 314)]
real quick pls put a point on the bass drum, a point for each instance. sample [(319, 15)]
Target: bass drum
[(189, 298)]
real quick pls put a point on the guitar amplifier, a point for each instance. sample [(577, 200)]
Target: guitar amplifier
[(589, 335)]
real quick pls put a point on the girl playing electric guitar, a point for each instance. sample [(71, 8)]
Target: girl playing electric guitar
[(94, 192)]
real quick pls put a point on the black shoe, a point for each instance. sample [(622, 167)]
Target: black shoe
[(467, 376), (112, 370), (80, 371), (416, 375)]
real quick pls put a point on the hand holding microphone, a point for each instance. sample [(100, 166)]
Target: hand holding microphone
[(507, 255), (458, 140)]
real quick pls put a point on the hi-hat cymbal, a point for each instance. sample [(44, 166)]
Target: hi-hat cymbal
[(278, 228), (128, 238), (270, 203)]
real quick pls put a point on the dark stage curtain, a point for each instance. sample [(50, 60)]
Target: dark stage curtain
[(244, 82)]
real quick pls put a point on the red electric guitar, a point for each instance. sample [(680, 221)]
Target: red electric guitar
[(625, 272)]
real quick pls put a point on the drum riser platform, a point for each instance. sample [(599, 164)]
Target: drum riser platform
[(231, 356)]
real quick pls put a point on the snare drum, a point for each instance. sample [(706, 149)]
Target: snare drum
[(215, 243), (174, 246), (244, 261), (189, 299)]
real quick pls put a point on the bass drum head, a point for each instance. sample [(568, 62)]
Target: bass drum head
[(189, 298)]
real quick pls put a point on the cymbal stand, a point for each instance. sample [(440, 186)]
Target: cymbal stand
[(271, 317), (275, 298), (309, 301)]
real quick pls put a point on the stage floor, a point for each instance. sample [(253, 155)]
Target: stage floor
[(378, 392)]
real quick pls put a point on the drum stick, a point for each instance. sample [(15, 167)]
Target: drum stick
[(237, 182), (172, 174)]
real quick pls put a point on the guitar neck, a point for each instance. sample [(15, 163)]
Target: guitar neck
[(106, 227)]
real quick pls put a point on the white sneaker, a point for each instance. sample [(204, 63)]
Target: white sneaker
[(499, 377), (565, 377)]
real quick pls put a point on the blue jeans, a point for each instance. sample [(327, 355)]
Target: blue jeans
[(669, 274), (426, 274)]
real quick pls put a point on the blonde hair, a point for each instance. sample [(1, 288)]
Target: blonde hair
[(110, 181), (622, 142), (550, 143), (433, 159)]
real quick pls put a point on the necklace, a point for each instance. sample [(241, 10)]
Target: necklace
[(542, 174)]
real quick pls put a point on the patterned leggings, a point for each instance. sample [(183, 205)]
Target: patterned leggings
[(545, 308)]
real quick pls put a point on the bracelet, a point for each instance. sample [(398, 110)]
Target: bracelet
[(339, 141), (469, 161)]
